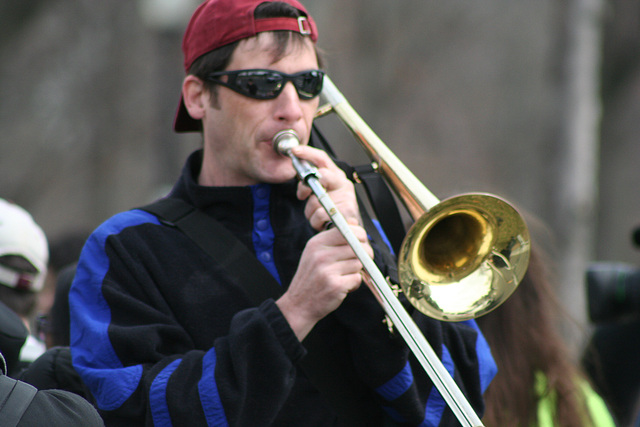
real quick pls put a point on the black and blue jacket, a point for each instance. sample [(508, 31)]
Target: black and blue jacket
[(163, 336)]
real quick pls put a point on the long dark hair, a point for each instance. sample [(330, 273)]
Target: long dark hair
[(523, 337)]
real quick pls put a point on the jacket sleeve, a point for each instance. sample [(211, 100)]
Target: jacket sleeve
[(384, 362), (143, 368)]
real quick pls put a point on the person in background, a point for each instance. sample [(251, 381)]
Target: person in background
[(23, 405), (64, 250), (53, 369), (24, 255), (538, 384), (164, 334), (13, 334), (612, 352), (53, 328)]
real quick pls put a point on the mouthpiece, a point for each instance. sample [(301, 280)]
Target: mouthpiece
[(285, 140)]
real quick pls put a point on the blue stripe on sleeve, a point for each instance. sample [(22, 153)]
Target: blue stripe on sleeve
[(436, 403), (397, 385), (158, 396), (92, 353), (383, 234), (211, 403), (486, 364)]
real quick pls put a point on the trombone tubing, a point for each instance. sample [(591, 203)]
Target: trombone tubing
[(415, 196), (403, 323)]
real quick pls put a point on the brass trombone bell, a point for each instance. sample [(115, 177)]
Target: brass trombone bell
[(463, 256)]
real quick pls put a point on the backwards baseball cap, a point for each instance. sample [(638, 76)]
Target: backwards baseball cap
[(20, 236), (217, 23)]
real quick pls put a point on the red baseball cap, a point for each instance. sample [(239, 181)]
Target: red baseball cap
[(216, 23)]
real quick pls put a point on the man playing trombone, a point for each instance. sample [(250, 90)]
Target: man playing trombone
[(165, 333)]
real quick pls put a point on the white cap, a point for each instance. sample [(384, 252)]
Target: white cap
[(21, 236)]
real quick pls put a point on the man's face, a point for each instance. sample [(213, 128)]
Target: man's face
[(238, 130)]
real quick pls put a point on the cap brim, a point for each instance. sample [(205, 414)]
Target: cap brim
[(183, 122)]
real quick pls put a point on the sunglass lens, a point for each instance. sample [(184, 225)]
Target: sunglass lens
[(264, 84), (308, 84), (259, 84)]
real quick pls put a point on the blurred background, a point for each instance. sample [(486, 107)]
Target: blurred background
[(535, 101)]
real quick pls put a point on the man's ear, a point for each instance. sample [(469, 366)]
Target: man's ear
[(195, 97)]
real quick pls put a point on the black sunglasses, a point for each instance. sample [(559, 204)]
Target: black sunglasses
[(267, 84)]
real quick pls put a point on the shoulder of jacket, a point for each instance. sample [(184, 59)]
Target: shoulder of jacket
[(123, 220)]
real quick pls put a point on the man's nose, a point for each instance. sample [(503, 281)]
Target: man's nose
[(289, 104)]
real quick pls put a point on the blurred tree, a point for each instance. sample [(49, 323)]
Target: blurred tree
[(14, 14)]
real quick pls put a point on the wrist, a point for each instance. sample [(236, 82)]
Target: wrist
[(299, 323), (282, 330)]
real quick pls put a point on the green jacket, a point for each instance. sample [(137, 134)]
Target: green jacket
[(546, 406)]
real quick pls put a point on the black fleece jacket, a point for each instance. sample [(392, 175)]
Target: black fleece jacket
[(162, 335)]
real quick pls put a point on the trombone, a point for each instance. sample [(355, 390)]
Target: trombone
[(461, 258)]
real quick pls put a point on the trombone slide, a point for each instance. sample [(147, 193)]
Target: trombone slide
[(404, 324)]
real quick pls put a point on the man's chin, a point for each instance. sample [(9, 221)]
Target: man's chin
[(282, 174), (280, 179)]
